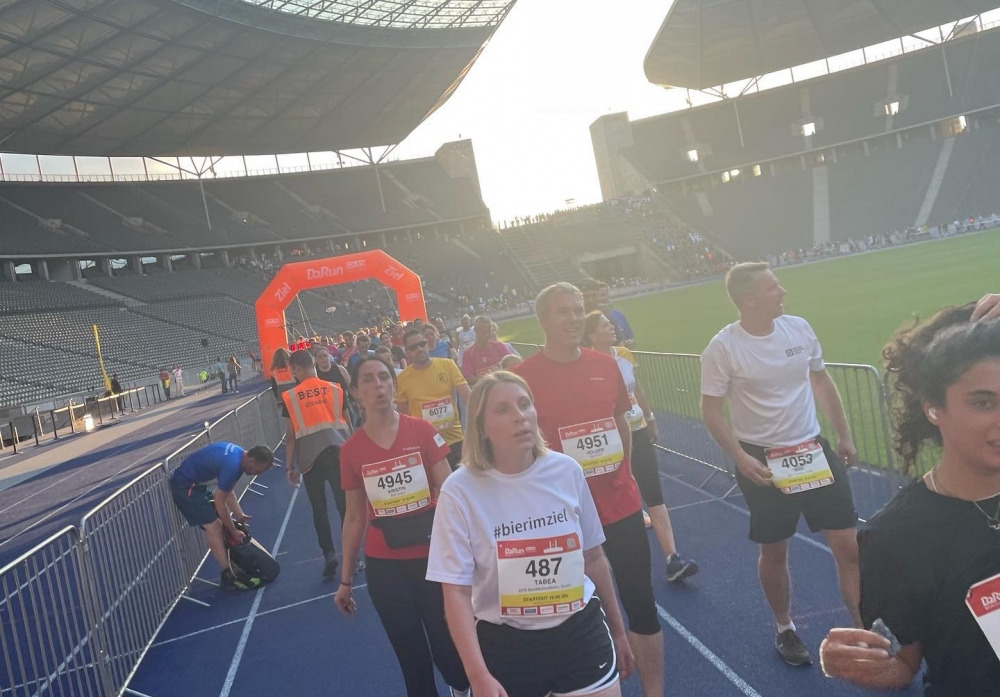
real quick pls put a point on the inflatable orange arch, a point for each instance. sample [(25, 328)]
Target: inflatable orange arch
[(317, 273)]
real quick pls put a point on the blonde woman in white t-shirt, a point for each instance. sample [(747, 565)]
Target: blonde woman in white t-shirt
[(517, 548), (599, 334)]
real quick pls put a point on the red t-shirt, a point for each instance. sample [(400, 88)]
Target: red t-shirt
[(361, 455), (478, 361), (588, 389)]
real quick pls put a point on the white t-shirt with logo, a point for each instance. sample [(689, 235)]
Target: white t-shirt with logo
[(766, 379), (479, 511)]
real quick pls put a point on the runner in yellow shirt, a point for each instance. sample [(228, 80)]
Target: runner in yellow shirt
[(427, 390)]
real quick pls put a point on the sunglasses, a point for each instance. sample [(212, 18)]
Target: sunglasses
[(418, 345)]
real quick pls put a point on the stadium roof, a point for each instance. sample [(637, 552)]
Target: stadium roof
[(706, 43), (228, 77)]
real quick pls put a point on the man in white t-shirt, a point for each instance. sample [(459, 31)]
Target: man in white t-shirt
[(770, 367), (466, 337)]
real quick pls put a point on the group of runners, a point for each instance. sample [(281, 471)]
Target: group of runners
[(493, 552)]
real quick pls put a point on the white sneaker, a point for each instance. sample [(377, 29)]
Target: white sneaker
[(460, 693)]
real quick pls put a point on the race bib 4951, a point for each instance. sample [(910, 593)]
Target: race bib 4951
[(596, 445)]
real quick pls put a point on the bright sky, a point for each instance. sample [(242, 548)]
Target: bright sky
[(551, 69)]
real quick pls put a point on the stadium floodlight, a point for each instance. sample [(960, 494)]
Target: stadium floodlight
[(734, 173), (692, 155), (891, 108), (756, 170), (809, 129)]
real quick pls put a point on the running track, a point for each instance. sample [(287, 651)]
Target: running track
[(289, 639)]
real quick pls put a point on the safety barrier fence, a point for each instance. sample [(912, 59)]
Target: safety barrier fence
[(672, 382), (43, 425), (79, 610)]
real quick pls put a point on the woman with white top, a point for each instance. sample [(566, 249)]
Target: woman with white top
[(517, 548), (599, 334)]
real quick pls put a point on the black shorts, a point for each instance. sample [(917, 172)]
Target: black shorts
[(774, 515), (644, 469), (627, 548), (455, 456), (575, 658), (194, 501)]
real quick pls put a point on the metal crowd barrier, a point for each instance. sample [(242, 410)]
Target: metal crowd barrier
[(672, 381), (79, 610)]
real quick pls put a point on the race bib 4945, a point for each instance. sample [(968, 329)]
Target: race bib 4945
[(398, 485)]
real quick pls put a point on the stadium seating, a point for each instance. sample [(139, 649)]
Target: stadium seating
[(881, 192), (969, 187), (37, 296)]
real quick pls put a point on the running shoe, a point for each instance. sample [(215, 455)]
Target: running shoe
[(793, 651), (330, 567), (460, 693), (679, 569), (228, 582), (645, 519)]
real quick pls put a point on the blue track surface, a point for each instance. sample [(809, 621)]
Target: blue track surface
[(289, 639)]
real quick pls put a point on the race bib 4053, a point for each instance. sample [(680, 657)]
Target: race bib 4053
[(799, 467)]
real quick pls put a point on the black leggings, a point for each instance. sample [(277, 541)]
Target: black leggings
[(411, 609), (644, 468), (627, 548), (325, 470)]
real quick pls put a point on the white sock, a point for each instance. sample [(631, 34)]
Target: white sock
[(786, 627)]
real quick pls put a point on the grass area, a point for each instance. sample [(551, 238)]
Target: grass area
[(854, 304)]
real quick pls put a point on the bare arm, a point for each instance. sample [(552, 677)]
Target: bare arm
[(715, 421), (596, 566), (462, 627), (860, 657), (355, 522), (464, 392), (439, 472), (828, 399), (647, 410), (234, 505), (290, 472), (988, 308), (221, 510)]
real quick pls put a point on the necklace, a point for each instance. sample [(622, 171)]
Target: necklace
[(992, 520)]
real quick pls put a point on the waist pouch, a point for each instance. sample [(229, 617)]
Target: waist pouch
[(406, 531)]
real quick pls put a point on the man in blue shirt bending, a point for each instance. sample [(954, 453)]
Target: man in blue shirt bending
[(222, 464)]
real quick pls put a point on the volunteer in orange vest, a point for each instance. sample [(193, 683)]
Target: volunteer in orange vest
[(316, 430), (282, 379), (427, 388)]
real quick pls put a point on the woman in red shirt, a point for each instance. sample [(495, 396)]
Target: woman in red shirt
[(392, 469)]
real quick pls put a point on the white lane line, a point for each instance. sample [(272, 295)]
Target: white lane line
[(241, 646), (720, 665), (698, 503), (725, 502), (244, 619)]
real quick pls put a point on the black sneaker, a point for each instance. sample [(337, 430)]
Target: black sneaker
[(228, 582), (792, 649), (679, 569), (330, 567)]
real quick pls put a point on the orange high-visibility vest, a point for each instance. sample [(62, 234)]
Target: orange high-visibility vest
[(315, 405), (283, 376)]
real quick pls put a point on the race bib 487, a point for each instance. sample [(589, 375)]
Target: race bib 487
[(540, 577)]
